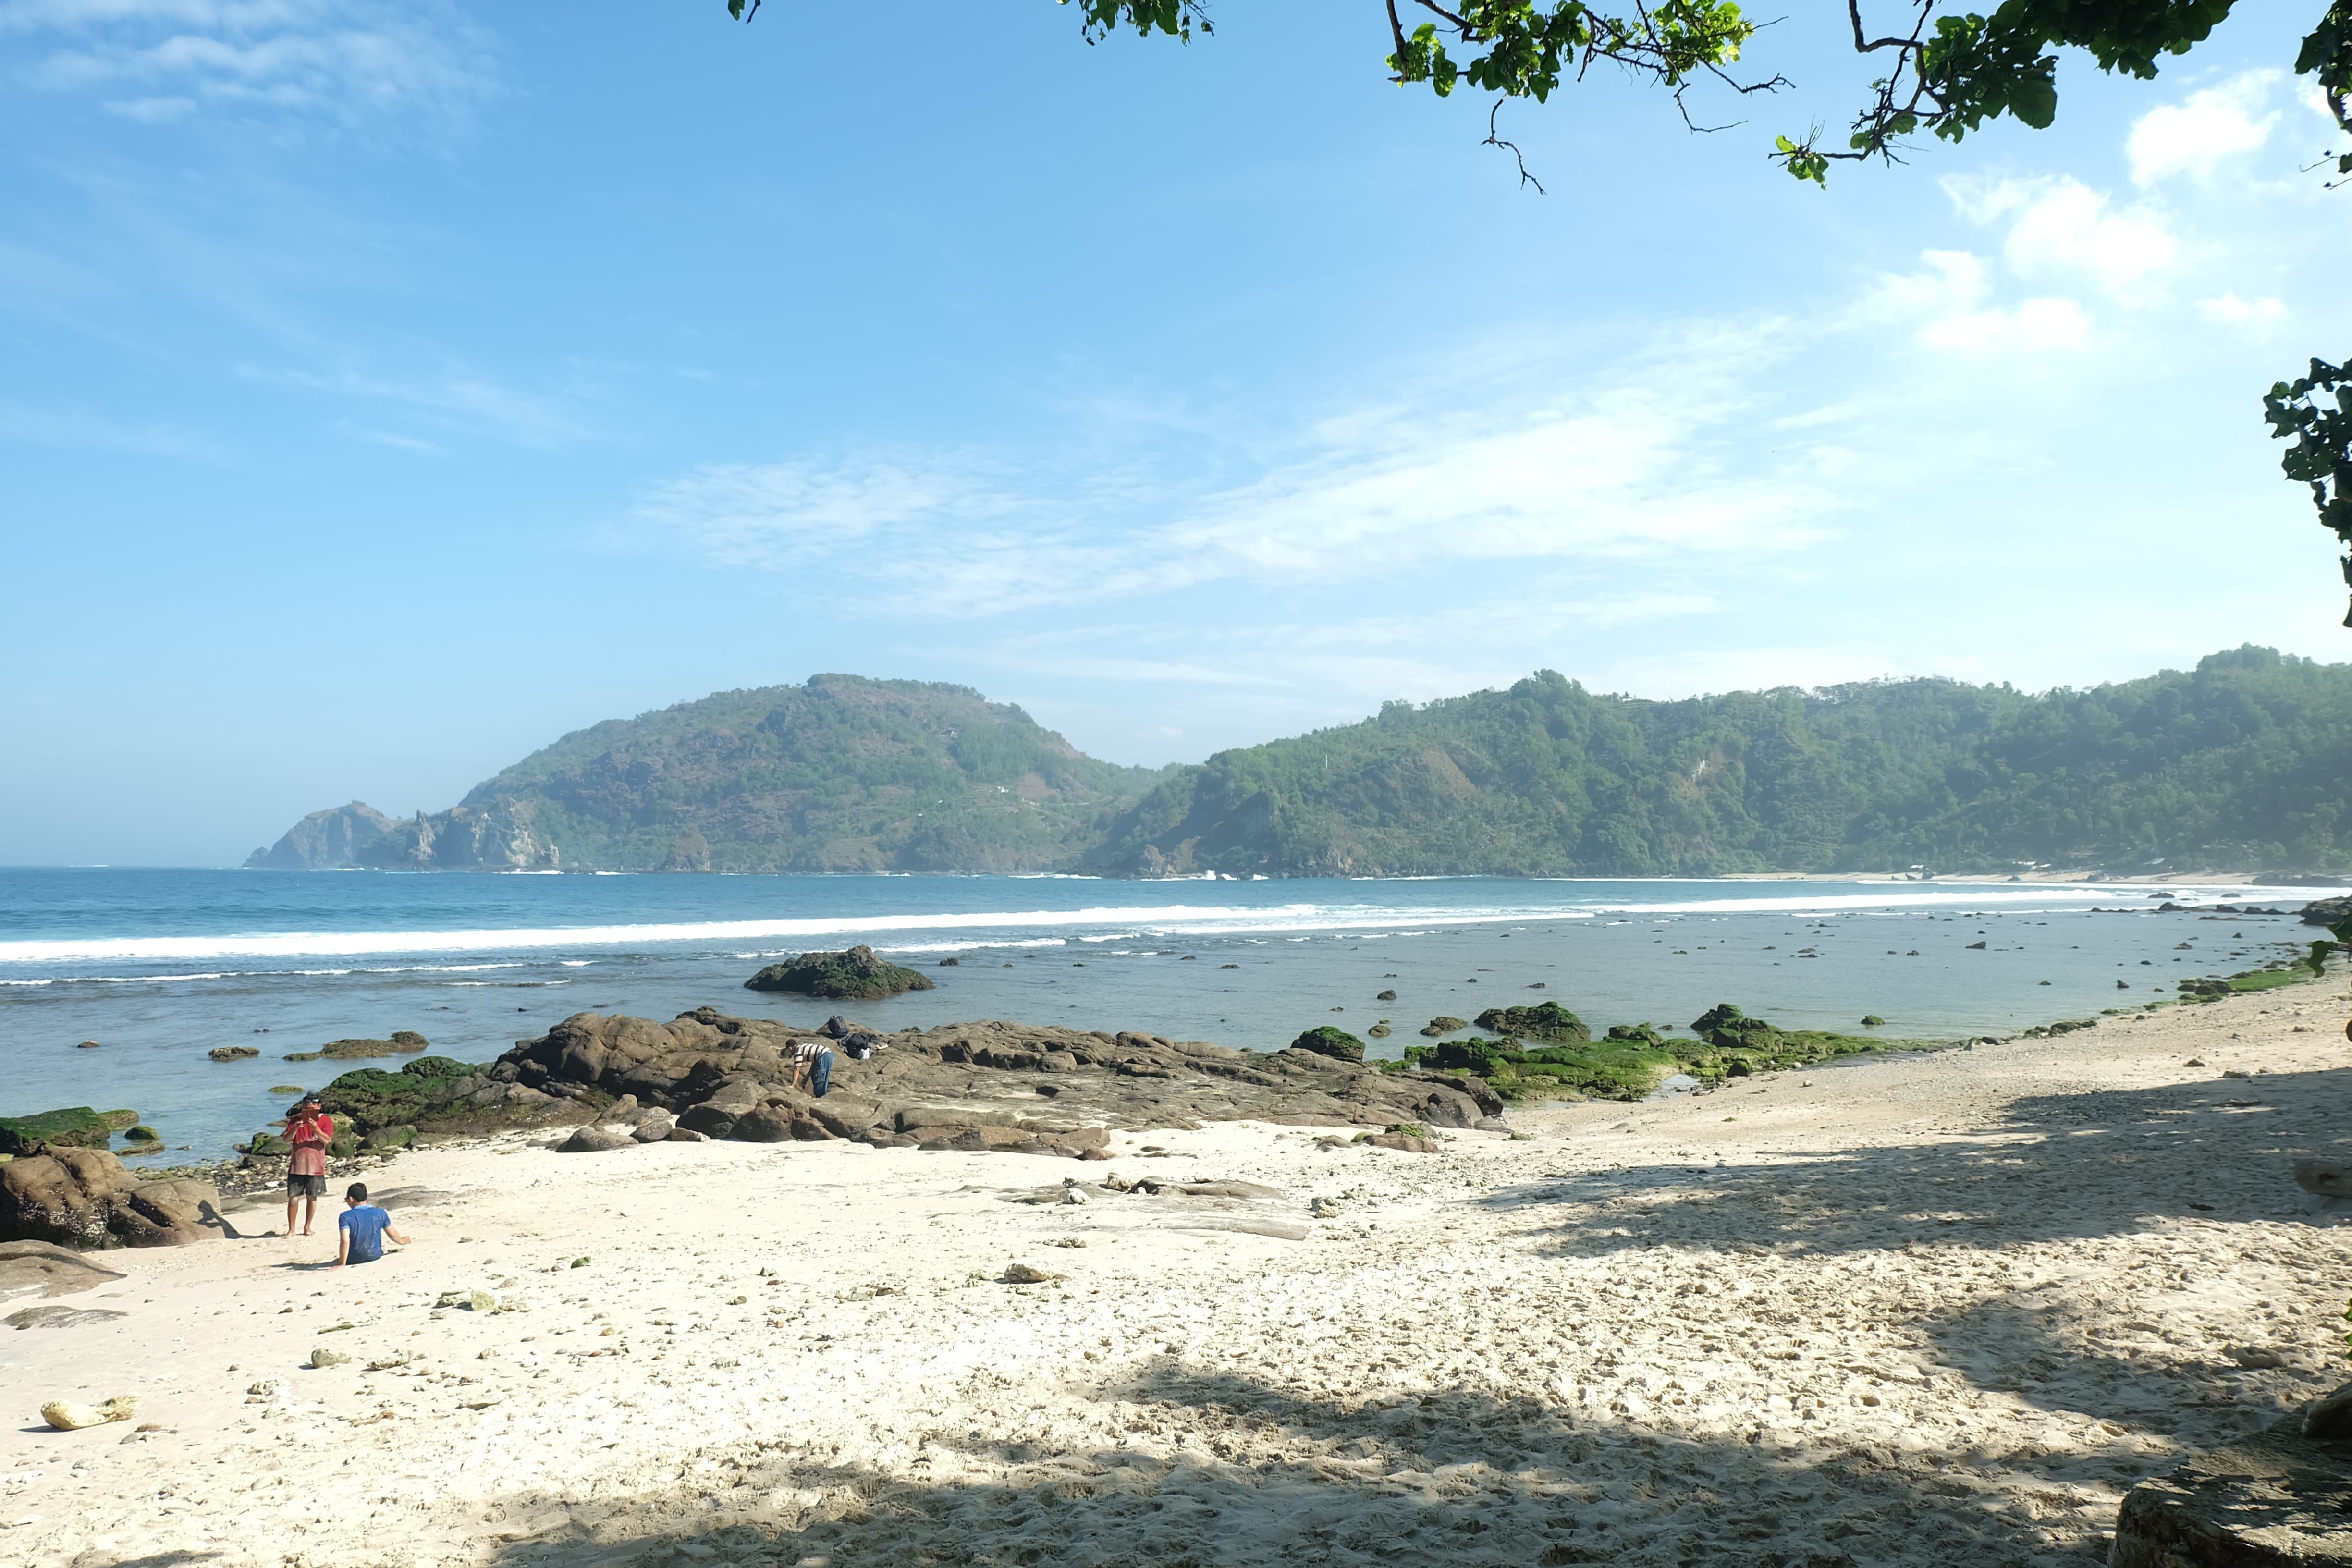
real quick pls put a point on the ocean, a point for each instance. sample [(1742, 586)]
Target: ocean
[(161, 966)]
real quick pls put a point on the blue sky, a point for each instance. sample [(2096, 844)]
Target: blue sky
[(388, 388)]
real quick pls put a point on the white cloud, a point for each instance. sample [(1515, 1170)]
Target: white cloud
[(339, 60), (2255, 317), (2192, 137), (2058, 226), (1949, 307), (1630, 471)]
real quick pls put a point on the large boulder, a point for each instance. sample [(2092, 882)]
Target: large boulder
[(1326, 1041), (2328, 911), (1547, 1021), (76, 1127), (166, 1213), (857, 974), (437, 1094), (65, 1196), (2271, 1500)]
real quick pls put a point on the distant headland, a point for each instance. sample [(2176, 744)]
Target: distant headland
[(2236, 764)]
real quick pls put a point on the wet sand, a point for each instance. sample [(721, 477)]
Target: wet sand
[(1927, 1310)]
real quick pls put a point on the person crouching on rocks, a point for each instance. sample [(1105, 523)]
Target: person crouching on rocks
[(813, 1067), (363, 1227), (309, 1129)]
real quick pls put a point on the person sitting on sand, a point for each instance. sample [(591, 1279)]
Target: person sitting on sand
[(310, 1129), (364, 1227), (812, 1066)]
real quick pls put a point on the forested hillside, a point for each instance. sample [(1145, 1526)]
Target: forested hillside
[(2239, 763), (841, 774)]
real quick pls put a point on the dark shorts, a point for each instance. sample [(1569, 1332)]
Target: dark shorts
[(306, 1186)]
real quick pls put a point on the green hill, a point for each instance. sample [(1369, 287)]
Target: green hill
[(841, 774), (2238, 763)]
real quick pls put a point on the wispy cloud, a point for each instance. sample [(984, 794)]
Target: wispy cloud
[(459, 405), (346, 61), (1494, 472), (70, 426)]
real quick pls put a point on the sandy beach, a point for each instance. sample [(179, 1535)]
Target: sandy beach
[(1930, 1310)]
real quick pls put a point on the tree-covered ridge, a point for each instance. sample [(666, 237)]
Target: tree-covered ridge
[(2236, 763), (841, 774)]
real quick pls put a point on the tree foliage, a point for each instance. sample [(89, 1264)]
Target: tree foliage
[(2319, 437), (2238, 762)]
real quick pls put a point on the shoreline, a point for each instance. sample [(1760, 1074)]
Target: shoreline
[(1914, 1312)]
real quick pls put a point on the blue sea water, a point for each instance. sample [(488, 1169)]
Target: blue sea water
[(159, 966)]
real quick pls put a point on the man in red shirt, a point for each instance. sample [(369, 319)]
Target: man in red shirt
[(309, 1129)]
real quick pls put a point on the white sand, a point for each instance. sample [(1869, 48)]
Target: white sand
[(1936, 1311)]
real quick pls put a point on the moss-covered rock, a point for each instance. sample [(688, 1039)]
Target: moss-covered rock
[(371, 1098), (1642, 1032), (139, 1132), (233, 1053), (857, 974), (343, 1145), (76, 1127), (1547, 1021), (285, 1088), (1872, 1020), (1442, 1024), (1378, 1031), (383, 1140), (1326, 1041), (116, 1121), (403, 1042)]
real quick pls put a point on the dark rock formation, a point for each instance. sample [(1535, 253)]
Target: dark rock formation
[(979, 1085), (77, 1127), (856, 975), (334, 838), (2273, 1500), (1326, 1041), (1546, 1021), (2328, 911), (437, 1094), (1443, 1024), (84, 1197), (233, 1053)]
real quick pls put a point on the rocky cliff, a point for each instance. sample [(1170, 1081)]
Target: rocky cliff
[(325, 839)]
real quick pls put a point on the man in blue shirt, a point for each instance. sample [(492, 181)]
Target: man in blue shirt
[(362, 1228)]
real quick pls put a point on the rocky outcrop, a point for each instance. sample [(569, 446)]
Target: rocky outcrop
[(497, 834), (76, 1127), (1326, 1041), (403, 1042), (980, 1086), (437, 1094), (858, 975), (2270, 1501), (2328, 911), (84, 1197), (325, 839), (1549, 1021)]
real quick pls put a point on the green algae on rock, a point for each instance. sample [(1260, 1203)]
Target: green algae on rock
[(1326, 1041), (1546, 1021), (1443, 1024), (75, 1127), (857, 974)]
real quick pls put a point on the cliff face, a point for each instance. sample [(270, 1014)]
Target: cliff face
[(498, 837), (325, 839)]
